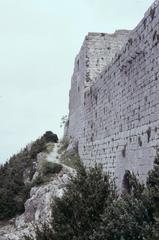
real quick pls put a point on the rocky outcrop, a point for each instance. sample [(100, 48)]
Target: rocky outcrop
[(38, 206)]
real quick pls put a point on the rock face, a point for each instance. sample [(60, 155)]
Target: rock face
[(114, 100), (38, 206)]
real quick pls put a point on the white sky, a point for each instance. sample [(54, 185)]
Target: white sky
[(39, 40)]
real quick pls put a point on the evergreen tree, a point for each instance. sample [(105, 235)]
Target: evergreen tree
[(153, 186), (77, 213), (90, 209), (153, 190), (127, 218)]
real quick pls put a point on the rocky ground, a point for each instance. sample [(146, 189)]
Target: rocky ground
[(38, 206)]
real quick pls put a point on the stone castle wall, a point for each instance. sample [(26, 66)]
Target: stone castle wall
[(96, 52), (114, 104)]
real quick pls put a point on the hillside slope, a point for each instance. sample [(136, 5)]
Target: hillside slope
[(16, 175)]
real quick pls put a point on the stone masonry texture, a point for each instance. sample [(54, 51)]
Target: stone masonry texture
[(114, 99)]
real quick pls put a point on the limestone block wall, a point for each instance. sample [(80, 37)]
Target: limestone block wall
[(118, 107), (96, 52)]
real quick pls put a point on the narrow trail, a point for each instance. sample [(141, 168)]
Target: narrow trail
[(54, 155)]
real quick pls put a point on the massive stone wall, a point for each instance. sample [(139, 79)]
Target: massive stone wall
[(114, 104), (96, 52)]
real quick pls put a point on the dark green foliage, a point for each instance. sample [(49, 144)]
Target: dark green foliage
[(132, 185), (40, 144), (155, 232), (7, 204), (77, 214), (51, 168), (48, 169), (50, 137), (90, 209), (13, 189), (128, 217), (153, 185), (39, 180), (153, 190), (125, 219)]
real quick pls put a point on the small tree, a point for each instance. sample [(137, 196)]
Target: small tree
[(64, 121)]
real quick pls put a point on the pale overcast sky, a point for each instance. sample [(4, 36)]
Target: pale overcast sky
[(39, 40)]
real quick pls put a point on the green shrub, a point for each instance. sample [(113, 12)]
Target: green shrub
[(50, 168), (155, 232), (78, 212), (153, 185), (91, 210), (50, 137), (126, 218), (153, 191), (46, 171), (39, 180)]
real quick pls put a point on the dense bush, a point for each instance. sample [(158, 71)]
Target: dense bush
[(50, 137), (126, 218), (14, 190), (77, 214), (51, 168), (153, 190), (91, 210)]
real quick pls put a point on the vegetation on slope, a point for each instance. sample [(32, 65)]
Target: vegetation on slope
[(91, 209), (16, 176), (46, 171), (72, 160)]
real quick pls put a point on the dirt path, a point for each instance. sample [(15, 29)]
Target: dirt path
[(54, 156)]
